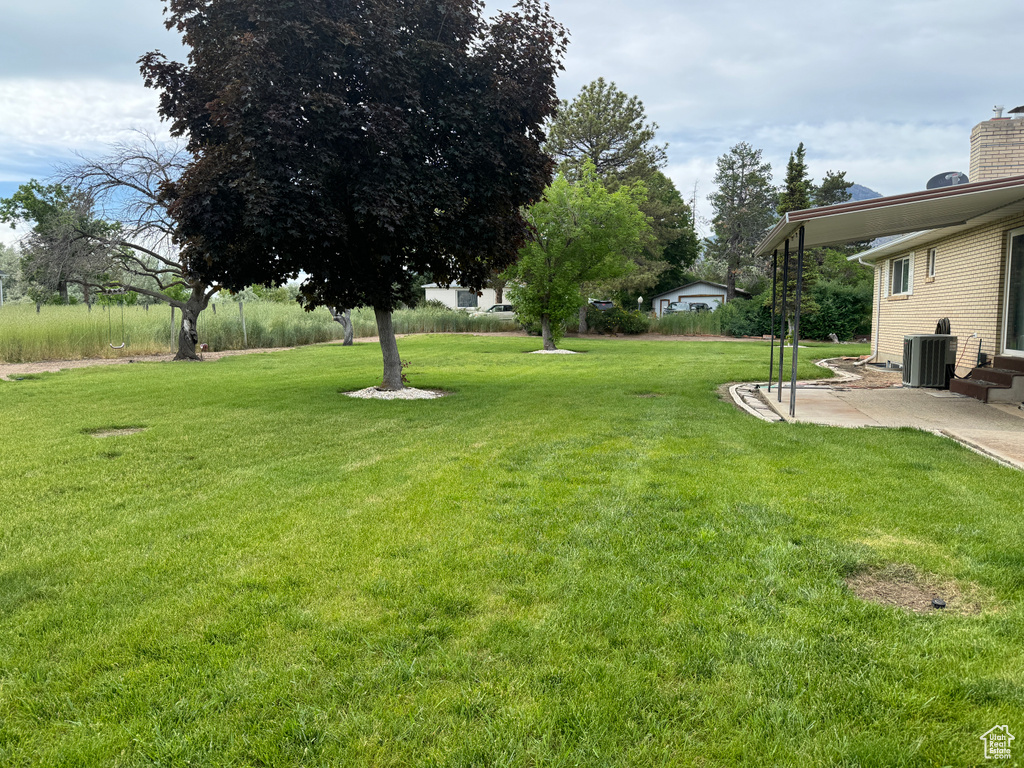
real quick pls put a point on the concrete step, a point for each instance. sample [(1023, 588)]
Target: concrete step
[(976, 389), (998, 376), (991, 385), (1009, 363)]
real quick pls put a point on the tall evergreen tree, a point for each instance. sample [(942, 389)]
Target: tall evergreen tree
[(796, 191), (795, 195), (744, 209), (834, 189), (609, 128)]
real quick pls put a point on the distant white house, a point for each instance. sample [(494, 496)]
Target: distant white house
[(458, 297), (701, 292)]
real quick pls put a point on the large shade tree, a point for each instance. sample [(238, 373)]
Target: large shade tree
[(361, 143)]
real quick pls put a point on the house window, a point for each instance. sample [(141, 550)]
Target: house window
[(467, 299), (931, 262), (900, 271)]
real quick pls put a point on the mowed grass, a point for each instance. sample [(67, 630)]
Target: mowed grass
[(580, 560)]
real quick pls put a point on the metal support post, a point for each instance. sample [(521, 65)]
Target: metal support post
[(782, 334), (796, 322), (775, 278)]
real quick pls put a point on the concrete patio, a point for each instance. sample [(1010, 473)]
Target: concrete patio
[(995, 430)]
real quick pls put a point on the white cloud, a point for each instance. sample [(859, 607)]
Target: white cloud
[(10, 236), (887, 91), (45, 121)]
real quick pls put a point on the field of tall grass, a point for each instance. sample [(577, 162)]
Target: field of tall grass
[(77, 332), (688, 324)]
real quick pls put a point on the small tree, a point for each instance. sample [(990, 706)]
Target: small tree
[(131, 186), (582, 233), (609, 129)]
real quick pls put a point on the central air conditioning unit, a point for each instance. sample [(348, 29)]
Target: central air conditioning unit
[(925, 359)]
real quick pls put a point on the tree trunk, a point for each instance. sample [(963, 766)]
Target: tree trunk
[(583, 319), (499, 293), (730, 283), (62, 286), (188, 336), (545, 332), (389, 349), (343, 317)]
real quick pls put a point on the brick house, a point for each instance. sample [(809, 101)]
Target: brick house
[(958, 254)]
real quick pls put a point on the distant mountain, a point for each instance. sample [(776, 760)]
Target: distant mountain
[(860, 192)]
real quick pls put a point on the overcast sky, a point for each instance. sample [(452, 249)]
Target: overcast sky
[(887, 90)]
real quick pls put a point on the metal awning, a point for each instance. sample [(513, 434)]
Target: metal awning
[(914, 214)]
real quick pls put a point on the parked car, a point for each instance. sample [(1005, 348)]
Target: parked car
[(602, 304), (501, 311), (699, 306), (676, 306)]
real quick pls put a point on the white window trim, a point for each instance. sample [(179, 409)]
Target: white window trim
[(932, 256), (909, 257), (1006, 295)]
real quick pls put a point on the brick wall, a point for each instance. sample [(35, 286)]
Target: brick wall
[(997, 149), (968, 288)]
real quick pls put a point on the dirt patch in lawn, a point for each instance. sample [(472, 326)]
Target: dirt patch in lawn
[(115, 432), (903, 586)]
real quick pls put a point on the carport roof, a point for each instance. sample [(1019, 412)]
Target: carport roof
[(914, 214)]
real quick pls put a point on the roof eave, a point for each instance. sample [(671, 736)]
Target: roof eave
[(791, 221)]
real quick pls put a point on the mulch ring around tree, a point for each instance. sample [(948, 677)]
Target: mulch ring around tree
[(409, 393), (903, 586)]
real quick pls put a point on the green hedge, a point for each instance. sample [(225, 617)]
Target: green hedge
[(617, 320), (841, 309)]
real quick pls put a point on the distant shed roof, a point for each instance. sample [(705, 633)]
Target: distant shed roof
[(702, 282)]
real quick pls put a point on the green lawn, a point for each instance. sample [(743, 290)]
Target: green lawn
[(548, 567)]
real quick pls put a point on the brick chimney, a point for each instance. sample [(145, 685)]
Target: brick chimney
[(997, 147)]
